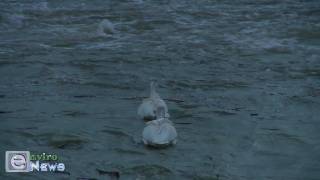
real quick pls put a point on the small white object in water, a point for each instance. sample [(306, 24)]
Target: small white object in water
[(147, 110), (105, 27), (160, 132)]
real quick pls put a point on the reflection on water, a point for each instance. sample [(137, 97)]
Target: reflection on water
[(241, 80)]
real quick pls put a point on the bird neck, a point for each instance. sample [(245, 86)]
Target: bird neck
[(153, 93)]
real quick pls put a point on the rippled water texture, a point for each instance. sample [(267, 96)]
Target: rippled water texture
[(241, 79)]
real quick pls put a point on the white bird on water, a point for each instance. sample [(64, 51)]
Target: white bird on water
[(147, 110), (105, 28), (159, 132)]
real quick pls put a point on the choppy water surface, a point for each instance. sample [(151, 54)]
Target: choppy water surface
[(246, 74)]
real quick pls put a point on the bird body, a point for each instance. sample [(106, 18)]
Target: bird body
[(159, 133), (147, 110), (105, 28)]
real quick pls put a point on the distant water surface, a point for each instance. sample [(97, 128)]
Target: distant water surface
[(241, 79)]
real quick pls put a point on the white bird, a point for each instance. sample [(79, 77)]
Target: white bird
[(147, 110), (105, 28), (159, 132)]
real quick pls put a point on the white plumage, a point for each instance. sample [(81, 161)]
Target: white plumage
[(147, 110), (105, 28), (159, 133)]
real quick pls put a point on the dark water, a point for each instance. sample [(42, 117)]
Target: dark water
[(247, 74)]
